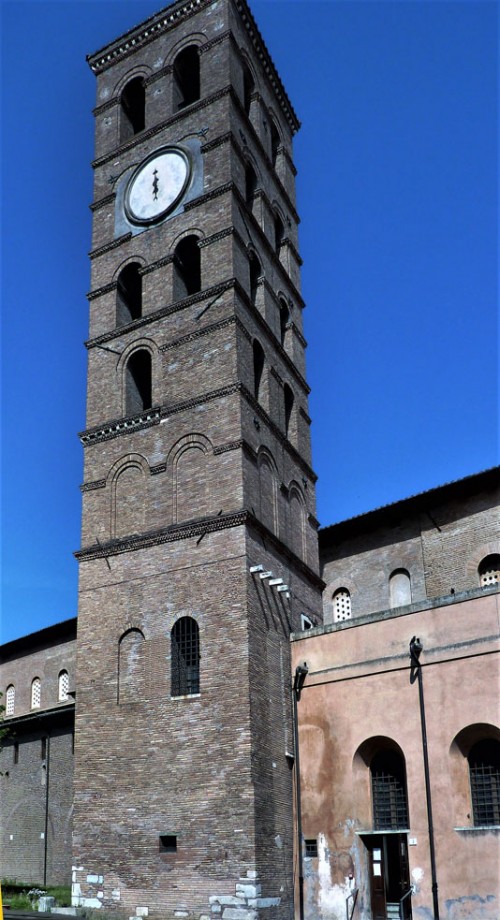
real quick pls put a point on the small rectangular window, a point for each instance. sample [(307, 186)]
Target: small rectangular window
[(168, 843), (43, 749), (16, 752), (311, 848)]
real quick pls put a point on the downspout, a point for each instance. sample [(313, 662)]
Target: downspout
[(46, 831), (301, 672), (415, 651)]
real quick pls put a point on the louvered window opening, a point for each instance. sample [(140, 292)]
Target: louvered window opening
[(485, 785), (341, 606), (63, 686), (185, 658), (390, 810), (10, 698), (36, 693), (490, 576)]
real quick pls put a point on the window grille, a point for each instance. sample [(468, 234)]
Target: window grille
[(390, 808), (484, 771), (311, 848), (489, 571), (63, 686), (10, 698), (341, 605), (185, 657), (36, 693)]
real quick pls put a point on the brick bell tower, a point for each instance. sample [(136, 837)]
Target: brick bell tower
[(199, 543)]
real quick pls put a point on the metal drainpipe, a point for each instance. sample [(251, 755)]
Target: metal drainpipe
[(46, 832), (415, 650), (300, 676)]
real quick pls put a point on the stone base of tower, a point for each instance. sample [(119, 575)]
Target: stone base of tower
[(91, 890)]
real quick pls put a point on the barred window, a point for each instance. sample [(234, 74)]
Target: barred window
[(10, 699), (484, 772), (390, 808), (341, 605), (36, 693), (489, 570), (63, 686), (185, 657)]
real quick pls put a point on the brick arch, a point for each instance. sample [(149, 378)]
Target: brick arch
[(194, 38), (492, 548), (189, 474), (459, 768), (361, 776), (141, 70), (188, 231), (268, 489), (296, 519), (128, 496), (141, 344), (129, 260), (131, 666)]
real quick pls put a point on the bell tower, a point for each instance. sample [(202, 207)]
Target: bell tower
[(199, 537)]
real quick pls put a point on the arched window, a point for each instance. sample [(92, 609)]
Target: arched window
[(10, 699), (484, 772), (284, 319), (289, 401), (388, 776), (275, 141), (62, 686), (258, 367), (400, 588), (255, 273), (131, 664), (279, 233), (250, 183), (36, 693), (185, 657), (341, 605), (132, 109), (186, 77), (187, 268), (138, 382), (129, 294), (248, 88), (489, 570)]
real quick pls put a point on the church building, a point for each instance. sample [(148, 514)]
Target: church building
[(213, 651)]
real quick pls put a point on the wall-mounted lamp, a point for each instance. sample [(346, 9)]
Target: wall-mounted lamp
[(301, 672)]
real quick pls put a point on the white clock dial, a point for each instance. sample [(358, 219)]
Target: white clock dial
[(157, 185)]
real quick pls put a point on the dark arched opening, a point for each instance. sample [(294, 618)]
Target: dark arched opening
[(138, 382), (258, 367), (187, 268), (129, 294), (186, 77), (132, 108)]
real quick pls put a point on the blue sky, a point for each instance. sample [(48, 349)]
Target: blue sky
[(397, 191)]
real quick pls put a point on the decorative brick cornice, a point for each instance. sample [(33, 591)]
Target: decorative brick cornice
[(216, 237), (104, 289), (148, 133), (92, 486), (167, 19), (209, 293), (207, 525), (170, 534), (108, 247), (143, 34), (120, 426), (159, 468), (205, 330), (103, 202), (258, 410), (209, 196), (231, 445), (160, 263)]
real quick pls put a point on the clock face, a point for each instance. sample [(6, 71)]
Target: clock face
[(157, 185)]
